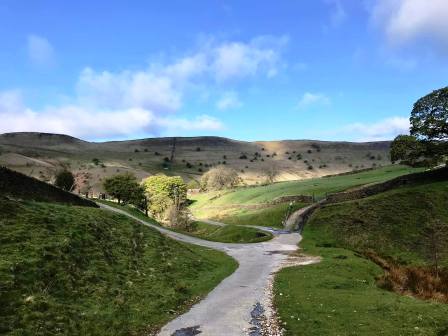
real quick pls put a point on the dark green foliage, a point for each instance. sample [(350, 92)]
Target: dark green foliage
[(123, 187), (406, 148), (65, 180), (96, 161), (429, 117), (17, 185)]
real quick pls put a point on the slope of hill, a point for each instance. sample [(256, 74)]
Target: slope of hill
[(40, 154), (68, 270), (20, 186), (349, 290), (245, 205)]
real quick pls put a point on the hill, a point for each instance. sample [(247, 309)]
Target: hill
[(41, 154), (19, 186), (373, 251), (69, 270)]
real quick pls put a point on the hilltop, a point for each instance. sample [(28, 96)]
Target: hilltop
[(41, 154)]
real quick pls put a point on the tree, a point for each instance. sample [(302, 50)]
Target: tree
[(162, 191), (123, 187), (271, 172), (428, 140), (220, 178), (406, 148), (65, 180), (429, 117)]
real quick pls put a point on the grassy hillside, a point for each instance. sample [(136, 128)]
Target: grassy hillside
[(20, 186), (391, 223), (41, 154), (240, 206), (342, 294), (67, 270)]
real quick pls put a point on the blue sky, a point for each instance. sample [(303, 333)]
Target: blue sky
[(249, 70)]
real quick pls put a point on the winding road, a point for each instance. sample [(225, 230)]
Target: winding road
[(227, 308)]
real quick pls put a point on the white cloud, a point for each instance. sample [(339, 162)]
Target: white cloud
[(405, 21), (385, 129), (228, 100), (236, 59), (310, 99), (123, 103), (40, 51), (200, 123)]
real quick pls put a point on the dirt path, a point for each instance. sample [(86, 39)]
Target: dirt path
[(230, 307)]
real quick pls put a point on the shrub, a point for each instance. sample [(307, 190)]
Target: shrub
[(96, 161), (198, 149), (136, 150), (65, 180)]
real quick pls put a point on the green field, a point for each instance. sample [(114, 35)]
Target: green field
[(84, 271), (340, 295), (272, 216), (233, 207), (317, 187)]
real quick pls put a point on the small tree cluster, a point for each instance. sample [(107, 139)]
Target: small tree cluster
[(220, 178), (163, 191)]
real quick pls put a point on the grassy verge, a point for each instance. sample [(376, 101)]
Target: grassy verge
[(228, 233), (83, 271), (225, 234), (340, 295)]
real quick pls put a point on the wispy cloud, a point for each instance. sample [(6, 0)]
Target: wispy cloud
[(313, 99), (385, 129), (228, 100), (40, 51)]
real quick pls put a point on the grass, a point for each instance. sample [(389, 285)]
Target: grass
[(84, 271), (270, 217), (340, 295), (228, 233), (316, 186), (391, 223)]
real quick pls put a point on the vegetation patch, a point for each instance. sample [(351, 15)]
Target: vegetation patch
[(227, 233), (84, 271)]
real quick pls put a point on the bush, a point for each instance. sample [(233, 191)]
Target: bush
[(219, 178)]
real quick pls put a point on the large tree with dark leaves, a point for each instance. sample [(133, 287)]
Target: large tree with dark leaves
[(428, 139)]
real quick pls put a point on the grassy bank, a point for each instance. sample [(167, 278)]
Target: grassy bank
[(228, 233), (84, 271), (225, 234), (340, 295)]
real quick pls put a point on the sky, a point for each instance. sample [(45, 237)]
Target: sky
[(249, 70)]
